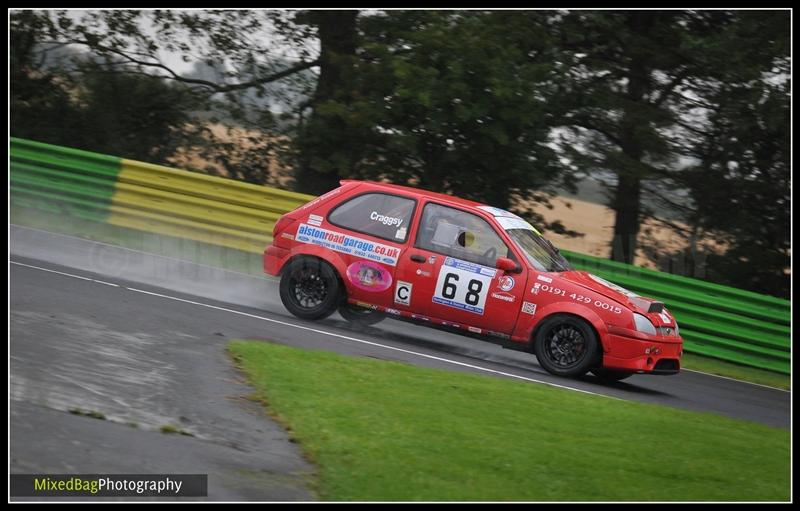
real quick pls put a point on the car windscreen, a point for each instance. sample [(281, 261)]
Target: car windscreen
[(542, 254)]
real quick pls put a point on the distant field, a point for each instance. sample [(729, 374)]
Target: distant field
[(596, 222)]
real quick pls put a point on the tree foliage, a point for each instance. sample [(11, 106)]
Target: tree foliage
[(458, 102), (740, 183)]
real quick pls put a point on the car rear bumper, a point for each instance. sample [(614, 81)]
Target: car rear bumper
[(274, 257), (642, 356)]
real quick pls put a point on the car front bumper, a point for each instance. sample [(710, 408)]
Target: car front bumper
[(651, 356)]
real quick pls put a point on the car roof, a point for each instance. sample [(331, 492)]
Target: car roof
[(417, 192)]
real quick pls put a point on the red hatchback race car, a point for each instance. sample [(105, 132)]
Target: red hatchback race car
[(372, 249)]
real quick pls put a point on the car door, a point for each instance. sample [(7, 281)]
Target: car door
[(372, 228), (449, 273)]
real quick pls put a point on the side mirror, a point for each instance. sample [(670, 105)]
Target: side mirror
[(506, 264)]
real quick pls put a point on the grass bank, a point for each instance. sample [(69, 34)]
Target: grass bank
[(388, 431)]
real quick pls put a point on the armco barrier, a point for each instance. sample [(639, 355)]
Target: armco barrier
[(147, 197), (206, 208), (718, 321)]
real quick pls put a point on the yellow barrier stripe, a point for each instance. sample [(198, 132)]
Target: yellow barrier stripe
[(211, 209), (213, 212), (181, 228), (158, 176)]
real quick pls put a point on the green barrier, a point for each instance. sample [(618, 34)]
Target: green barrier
[(62, 180), (686, 283), (675, 291), (717, 321)]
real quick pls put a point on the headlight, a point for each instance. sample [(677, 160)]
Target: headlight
[(643, 324)]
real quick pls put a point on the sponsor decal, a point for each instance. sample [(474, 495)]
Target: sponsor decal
[(369, 276), (346, 244), (453, 325), (515, 223), (506, 297), (488, 271), (402, 293), (287, 236), (535, 289), (423, 273), (600, 304), (463, 285), (474, 330), (529, 308), (506, 283), (401, 233), (417, 316), (393, 311), (544, 279), (432, 260), (498, 212), (385, 220), (509, 220), (665, 317), (315, 220)]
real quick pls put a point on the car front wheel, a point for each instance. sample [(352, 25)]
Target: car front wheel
[(566, 345), (310, 288)]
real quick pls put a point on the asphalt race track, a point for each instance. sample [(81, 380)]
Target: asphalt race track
[(141, 339)]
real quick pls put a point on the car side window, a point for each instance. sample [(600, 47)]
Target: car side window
[(382, 215), (459, 234)]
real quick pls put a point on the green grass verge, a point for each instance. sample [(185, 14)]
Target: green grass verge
[(386, 431), (730, 370), (245, 262)]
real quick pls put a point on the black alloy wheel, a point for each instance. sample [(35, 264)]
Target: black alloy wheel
[(310, 288), (566, 345)]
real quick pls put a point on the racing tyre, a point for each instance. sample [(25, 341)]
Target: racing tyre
[(566, 345), (310, 288), (610, 375), (360, 315)]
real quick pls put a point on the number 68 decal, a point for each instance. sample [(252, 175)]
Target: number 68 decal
[(450, 288), (463, 286)]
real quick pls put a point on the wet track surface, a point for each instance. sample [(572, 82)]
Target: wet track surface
[(141, 339)]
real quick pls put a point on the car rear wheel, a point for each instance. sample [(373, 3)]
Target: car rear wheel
[(310, 288), (610, 375), (360, 315), (566, 345)]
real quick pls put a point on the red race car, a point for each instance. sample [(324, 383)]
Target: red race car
[(371, 249)]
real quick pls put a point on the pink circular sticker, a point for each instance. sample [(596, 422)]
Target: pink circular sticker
[(369, 276)]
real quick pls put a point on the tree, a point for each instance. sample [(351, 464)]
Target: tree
[(626, 73), (425, 98), (116, 71), (37, 95), (323, 142), (740, 181), (457, 102)]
